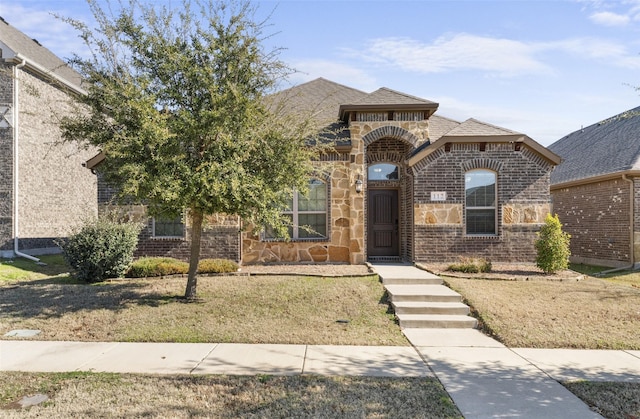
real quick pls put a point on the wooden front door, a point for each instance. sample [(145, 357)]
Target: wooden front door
[(383, 235)]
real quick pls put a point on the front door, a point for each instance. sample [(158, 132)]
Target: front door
[(383, 233)]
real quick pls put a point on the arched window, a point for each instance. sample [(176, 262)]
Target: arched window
[(480, 202), (383, 171), (308, 214)]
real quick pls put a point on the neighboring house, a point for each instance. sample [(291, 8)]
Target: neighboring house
[(44, 190), (403, 184), (596, 190)]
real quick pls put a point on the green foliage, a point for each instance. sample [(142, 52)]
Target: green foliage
[(156, 266), (177, 101), (552, 246), (161, 266), (471, 265), (217, 266), (101, 249)]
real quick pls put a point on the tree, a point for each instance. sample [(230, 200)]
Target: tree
[(176, 100), (552, 246)]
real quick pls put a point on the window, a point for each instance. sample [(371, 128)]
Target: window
[(307, 214), (480, 202), (383, 171), (168, 227)]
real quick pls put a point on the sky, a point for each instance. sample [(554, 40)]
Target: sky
[(541, 67)]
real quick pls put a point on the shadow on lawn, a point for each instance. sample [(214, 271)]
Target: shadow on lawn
[(53, 297)]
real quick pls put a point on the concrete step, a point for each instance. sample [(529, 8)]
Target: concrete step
[(427, 307), (430, 280), (439, 321), (433, 293)]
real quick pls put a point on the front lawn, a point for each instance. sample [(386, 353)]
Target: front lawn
[(237, 308)]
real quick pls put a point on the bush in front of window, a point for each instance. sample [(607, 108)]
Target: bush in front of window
[(471, 265), (552, 246), (147, 267), (101, 249), (156, 266), (217, 266)]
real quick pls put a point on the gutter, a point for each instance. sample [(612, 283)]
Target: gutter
[(47, 73), (16, 113)]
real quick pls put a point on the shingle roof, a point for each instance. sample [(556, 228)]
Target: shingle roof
[(609, 146), (439, 126), (13, 42), (475, 128), (386, 96), (319, 98)]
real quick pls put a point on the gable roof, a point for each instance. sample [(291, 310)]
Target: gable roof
[(319, 99), (17, 46), (474, 128), (609, 146), (387, 99)]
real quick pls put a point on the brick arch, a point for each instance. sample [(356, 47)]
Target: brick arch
[(391, 132), (490, 164)]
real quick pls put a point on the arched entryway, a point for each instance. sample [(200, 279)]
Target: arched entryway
[(388, 208)]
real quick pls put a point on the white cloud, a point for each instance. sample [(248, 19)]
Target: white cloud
[(610, 19), (456, 52), (340, 73)]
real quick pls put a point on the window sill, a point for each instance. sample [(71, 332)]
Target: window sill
[(175, 239), (311, 240), (482, 237)]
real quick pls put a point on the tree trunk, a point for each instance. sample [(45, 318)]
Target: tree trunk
[(194, 257)]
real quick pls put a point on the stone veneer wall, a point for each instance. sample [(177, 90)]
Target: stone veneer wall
[(523, 202), (597, 215), (339, 247), (56, 192), (6, 162)]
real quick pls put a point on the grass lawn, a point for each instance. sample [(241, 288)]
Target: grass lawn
[(599, 313), (127, 395)]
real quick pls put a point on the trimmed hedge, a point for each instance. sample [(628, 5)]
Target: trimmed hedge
[(161, 266), (471, 266)]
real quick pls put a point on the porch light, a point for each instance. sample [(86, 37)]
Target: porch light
[(358, 185)]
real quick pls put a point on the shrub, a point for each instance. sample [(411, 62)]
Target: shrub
[(160, 266), (217, 266), (471, 265), (552, 246), (101, 249), (156, 266)]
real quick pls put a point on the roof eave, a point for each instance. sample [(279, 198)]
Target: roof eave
[(513, 138), (42, 71), (429, 108), (595, 179)]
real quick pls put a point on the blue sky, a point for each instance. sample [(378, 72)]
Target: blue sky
[(544, 68)]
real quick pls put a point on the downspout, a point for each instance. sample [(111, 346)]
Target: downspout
[(16, 113)]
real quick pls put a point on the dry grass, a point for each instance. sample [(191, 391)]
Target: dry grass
[(240, 309), (126, 395), (611, 400), (590, 313)]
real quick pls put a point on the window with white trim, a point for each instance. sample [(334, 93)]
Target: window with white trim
[(307, 214), (480, 202), (165, 227)]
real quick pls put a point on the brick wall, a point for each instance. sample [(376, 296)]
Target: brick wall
[(522, 182), (56, 192), (597, 217), (6, 162)]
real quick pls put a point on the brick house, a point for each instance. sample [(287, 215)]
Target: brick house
[(44, 190), (596, 190), (402, 184)]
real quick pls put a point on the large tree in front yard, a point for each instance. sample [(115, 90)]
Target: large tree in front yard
[(176, 102)]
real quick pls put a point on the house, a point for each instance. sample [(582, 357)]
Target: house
[(44, 190), (402, 184), (596, 190)]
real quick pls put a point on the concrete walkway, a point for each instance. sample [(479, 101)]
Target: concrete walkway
[(484, 378)]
